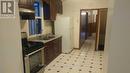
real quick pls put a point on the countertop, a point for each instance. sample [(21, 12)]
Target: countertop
[(46, 41)]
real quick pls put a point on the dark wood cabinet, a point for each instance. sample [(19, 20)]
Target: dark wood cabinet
[(59, 6), (26, 4), (26, 9), (49, 9), (48, 52), (57, 46), (53, 9), (52, 50), (47, 1)]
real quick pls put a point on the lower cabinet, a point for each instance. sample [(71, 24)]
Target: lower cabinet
[(52, 50)]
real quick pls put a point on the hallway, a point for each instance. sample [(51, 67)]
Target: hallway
[(85, 60)]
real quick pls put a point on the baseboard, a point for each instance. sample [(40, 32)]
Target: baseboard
[(68, 52), (77, 48), (72, 50)]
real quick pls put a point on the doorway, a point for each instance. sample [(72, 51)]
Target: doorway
[(83, 27), (93, 24)]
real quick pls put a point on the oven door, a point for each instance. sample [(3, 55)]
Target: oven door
[(34, 61)]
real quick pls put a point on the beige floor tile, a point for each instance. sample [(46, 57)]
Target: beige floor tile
[(85, 60)]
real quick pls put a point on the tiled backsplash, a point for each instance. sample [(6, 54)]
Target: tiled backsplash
[(46, 26)]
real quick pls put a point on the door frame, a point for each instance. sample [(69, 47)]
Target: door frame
[(97, 27)]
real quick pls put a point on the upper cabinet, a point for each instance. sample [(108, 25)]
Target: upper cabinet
[(47, 1), (59, 6), (51, 8), (26, 9), (26, 4)]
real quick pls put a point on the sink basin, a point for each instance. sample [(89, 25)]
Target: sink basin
[(46, 37)]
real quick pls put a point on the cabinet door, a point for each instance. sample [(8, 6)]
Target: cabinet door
[(58, 46), (49, 10), (59, 6), (49, 52), (26, 4), (47, 1), (52, 50), (46, 55), (53, 9)]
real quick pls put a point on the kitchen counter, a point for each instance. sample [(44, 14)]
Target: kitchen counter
[(52, 46), (46, 41)]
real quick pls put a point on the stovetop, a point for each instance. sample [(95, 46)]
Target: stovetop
[(30, 46)]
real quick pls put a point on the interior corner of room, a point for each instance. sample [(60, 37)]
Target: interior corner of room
[(65, 36), (74, 24)]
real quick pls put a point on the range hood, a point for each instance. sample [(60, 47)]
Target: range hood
[(26, 14)]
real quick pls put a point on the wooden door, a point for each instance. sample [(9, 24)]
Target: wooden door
[(101, 29), (103, 20)]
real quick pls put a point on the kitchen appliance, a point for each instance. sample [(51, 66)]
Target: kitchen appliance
[(64, 27), (33, 55), (26, 14), (34, 61)]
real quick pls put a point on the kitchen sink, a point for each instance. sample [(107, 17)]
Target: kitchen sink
[(46, 37)]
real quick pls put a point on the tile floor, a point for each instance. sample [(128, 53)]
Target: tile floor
[(85, 60)]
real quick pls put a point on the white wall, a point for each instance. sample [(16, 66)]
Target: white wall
[(118, 42), (10, 45), (108, 31), (72, 8)]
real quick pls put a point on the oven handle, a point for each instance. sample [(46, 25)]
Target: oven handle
[(34, 52)]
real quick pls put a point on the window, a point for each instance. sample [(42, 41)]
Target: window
[(35, 27), (37, 9)]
